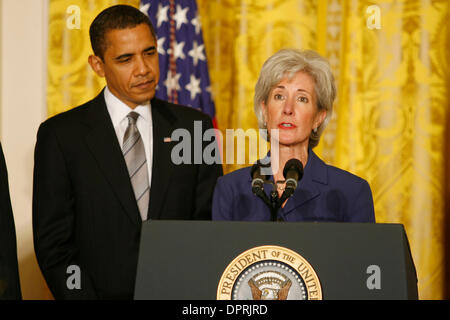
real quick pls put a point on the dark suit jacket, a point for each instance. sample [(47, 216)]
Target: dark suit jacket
[(84, 209), (325, 193), (9, 272)]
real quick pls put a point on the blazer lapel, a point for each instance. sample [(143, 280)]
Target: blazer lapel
[(315, 172), (163, 125), (307, 189), (102, 141)]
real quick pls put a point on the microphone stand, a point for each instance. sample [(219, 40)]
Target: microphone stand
[(286, 194), (274, 202), (293, 172), (274, 207)]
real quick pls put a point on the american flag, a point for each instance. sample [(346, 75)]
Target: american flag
[(184, 76)]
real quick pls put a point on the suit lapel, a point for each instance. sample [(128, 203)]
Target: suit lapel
[(102, 142), (315, 173), (308, 188), (162, 166)]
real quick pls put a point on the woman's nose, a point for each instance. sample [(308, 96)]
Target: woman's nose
[(288, 106)]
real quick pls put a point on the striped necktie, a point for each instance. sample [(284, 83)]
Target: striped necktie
[(134, 154)]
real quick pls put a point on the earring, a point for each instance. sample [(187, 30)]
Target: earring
[(315, 130)]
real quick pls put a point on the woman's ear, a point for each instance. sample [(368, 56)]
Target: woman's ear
[(264, 112), (320, 118)]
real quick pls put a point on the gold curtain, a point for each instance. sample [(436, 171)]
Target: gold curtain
[(70, 80), (391, 115), (389, 120)]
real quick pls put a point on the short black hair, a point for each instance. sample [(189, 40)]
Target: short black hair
[(115, 17)]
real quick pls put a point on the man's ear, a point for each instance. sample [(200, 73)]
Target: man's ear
[(96, 64)]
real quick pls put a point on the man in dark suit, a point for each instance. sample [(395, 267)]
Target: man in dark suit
[(9, 272), (91, 196)]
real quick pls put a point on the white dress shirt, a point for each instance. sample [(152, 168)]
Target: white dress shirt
[(118, 112)]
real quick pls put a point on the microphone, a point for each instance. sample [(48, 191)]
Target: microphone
[(258, 184), (257, 179), (293, 173)]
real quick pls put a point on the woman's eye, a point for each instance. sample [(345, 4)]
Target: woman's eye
[(303, 99), (278, 96)]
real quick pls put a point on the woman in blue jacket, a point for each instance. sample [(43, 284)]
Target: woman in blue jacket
[(293, 101)]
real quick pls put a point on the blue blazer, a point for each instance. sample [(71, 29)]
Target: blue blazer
[(325, 193)]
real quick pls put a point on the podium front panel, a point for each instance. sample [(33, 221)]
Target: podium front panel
[(185, 260)]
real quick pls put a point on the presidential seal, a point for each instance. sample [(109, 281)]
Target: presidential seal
[(269, 273)]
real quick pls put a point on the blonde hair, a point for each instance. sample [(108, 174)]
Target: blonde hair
[(287, 62)]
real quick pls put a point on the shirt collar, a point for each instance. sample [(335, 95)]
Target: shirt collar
[(118, 110)]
